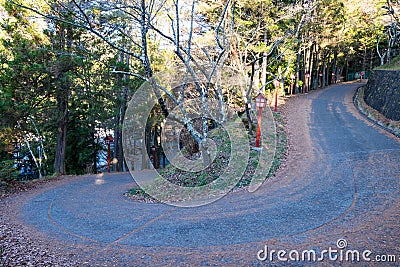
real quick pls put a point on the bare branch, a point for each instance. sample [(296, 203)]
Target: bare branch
[(87, 27), (130, 74), (217, 30), (190, 31), (178, 31)]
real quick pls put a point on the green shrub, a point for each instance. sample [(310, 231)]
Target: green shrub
[(7, 171)]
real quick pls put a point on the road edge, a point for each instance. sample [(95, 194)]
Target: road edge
[(365, 111)]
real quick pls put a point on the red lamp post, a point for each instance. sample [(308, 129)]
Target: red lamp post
[(108, 140), (277, 84), (261, 102), (155, 158)]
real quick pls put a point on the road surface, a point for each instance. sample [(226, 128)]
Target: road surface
[(341, 182)]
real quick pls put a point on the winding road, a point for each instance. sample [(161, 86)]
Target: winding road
[(341, 181)]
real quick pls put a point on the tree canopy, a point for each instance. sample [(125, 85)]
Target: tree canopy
[(69, 68)]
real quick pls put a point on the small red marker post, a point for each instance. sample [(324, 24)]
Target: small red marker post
[(261, 102), (108, 140)]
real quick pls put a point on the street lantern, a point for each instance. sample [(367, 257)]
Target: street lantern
[(277, 84), (108, 140), (154, 155), (261, 102)]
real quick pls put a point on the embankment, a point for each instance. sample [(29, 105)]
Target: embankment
[(382, 93)]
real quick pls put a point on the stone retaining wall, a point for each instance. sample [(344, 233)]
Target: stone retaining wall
[(382, 92)]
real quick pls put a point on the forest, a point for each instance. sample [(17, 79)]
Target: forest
[(68, 69)]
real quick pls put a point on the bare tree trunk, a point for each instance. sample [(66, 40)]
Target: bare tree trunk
[(117, 141), (298, 61), (327, 70), (118, 149), (94, 170), (371, 62), (381, 56), (307, 62), (334, 67), (121, 165), (245, 93), (63, 64), (364, 66), (389, 48), (256, 78), (314, 66), (205, 153), (264, 64), (323, 69)]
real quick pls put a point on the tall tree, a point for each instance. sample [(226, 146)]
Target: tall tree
[(24, 84), (62, 40)]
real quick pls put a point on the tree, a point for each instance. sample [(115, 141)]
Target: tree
[(24, 85), (392, 30), (265, 42), (68, 80), (46, 70), (62, 40), (103, 19)]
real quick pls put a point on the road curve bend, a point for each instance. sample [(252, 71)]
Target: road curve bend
[(341, 181)]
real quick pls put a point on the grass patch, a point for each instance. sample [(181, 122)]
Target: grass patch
[(139, 194), (394, 64), (280, 152), (220, 165), (281, 145), (208, 175)]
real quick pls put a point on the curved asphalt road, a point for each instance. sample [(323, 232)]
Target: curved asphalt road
[(341, 181)]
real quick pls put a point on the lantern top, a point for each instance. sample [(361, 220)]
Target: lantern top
[(108, 139), (277, 83), (261, 101)]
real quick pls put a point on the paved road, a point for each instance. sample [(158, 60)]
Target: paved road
[(341, 181)]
